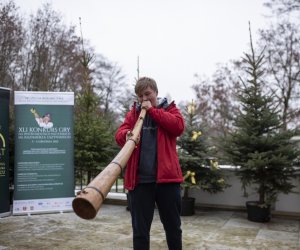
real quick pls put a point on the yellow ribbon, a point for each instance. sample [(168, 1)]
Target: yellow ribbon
[(214, 164), (192, 175), (191, 108), (195, 135)]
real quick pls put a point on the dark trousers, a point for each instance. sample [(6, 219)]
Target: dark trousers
[(142, 203)]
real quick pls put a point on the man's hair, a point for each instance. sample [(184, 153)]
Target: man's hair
[(143, 83), (47, 115)]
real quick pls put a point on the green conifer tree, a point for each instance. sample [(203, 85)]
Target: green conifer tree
[(262, 150), (94, 143), (200, 169)]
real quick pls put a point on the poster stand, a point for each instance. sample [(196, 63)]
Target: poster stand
[(4, 152), (44, 152)]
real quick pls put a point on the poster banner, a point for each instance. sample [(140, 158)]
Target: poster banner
[(4, 152), (44, 152)]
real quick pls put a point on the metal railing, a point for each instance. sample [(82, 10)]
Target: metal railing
[(82, 179)]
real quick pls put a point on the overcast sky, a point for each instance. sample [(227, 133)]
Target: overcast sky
[(174, 39)]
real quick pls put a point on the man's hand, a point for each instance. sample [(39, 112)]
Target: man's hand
[(129, 134), (146, 104), (33, 111)]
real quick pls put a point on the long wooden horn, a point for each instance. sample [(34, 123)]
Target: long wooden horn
[(89, 200)]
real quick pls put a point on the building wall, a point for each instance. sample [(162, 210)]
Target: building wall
[(233, 197)]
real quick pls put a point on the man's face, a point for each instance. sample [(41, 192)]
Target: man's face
[(46, 119), (148, 94)]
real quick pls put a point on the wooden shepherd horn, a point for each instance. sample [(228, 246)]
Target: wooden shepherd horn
[(89, 200)]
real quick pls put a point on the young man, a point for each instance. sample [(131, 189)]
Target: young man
[(153, 174), (43, 122)]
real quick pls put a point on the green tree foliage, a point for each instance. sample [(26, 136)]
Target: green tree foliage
[(94, 144), (199, 168), (259, 145)]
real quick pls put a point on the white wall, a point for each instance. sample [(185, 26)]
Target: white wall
[(290, 202), (233, 196)]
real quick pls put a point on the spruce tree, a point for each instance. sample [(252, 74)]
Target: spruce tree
[(94, 142), (259, 145), (199, 168)]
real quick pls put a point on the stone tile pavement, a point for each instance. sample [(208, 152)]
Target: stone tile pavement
[(111, 230)]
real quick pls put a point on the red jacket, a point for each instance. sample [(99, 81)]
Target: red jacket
[(170, 125)]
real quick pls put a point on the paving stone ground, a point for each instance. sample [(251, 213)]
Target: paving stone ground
[(111, 230)]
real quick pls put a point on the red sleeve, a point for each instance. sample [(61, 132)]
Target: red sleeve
[(170, 119), (126, 126)]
